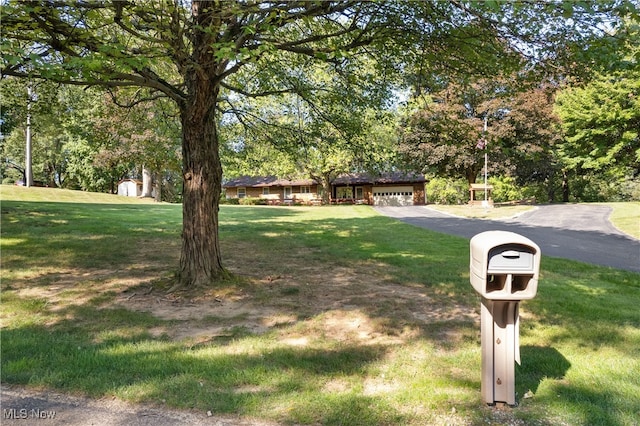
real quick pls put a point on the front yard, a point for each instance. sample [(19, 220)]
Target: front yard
[(336, 315)]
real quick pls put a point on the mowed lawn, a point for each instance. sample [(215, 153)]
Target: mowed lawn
[(335, 315)]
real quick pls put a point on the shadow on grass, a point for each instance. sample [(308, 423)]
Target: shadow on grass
[(538, 363), (598, 405), (110, 351), (101, 352), (404, 254)]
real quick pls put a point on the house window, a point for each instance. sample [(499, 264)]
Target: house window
[(242, 192), (344, 192), (265, 190), (305, 190)]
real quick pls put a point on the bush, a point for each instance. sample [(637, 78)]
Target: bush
[(252, 201), (505, 189), (590, 186), (540, 191), (447, 191), (231, 201)]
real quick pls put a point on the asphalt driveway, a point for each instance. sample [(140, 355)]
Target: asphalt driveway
[(571, 231)]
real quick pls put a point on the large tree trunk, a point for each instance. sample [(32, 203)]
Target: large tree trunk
[(200, 260)]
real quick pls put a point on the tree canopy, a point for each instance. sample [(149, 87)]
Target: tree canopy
[(601, 121)]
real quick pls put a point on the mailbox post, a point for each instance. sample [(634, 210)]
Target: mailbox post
[(504, 269)]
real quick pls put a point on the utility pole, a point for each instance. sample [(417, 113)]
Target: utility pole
[(27, 168)]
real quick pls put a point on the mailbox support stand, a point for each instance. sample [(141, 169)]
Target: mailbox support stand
[(500, 343), (503, 269)]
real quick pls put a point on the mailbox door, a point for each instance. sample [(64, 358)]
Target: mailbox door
[(512, 258)]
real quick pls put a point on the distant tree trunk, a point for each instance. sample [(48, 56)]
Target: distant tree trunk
[(551, 190), (471, 175), (158, 186), (326, 189), (565, 186), (324, 179), (147, 182)]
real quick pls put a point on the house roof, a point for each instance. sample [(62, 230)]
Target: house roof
[(344, 179), (382, 179), (262, 181)]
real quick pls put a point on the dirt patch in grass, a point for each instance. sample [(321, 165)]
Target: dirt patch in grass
[(357, 303), (344, 304)]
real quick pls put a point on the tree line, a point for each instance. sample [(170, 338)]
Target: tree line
[(554, 143), (238, 83)]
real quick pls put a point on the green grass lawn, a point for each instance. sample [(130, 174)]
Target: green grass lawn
[(626, 217), (336, 316)]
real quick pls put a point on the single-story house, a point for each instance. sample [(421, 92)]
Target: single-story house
[(391, 189), (274, 190), (130, 187)]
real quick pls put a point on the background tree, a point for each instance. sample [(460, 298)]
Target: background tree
[(143, 136), (527, 138), (322, 139), (189, 50), (54, 110), (81, 139), (442, 137), (322, 128), (601, 121), (600, 153)]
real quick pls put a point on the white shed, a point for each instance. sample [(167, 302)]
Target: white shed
[(130, 187)]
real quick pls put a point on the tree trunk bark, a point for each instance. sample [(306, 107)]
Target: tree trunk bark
[(146, 182), (157, 179), (200, 260), (565, 186), (471, 175), (326, 189)]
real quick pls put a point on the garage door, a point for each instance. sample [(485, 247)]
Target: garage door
[(393, 196)]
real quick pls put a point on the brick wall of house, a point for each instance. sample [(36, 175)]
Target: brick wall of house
[(257, 192), (419, 197), (367, 194), (276, 193)]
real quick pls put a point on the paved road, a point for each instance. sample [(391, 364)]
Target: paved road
[(571, 231)]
